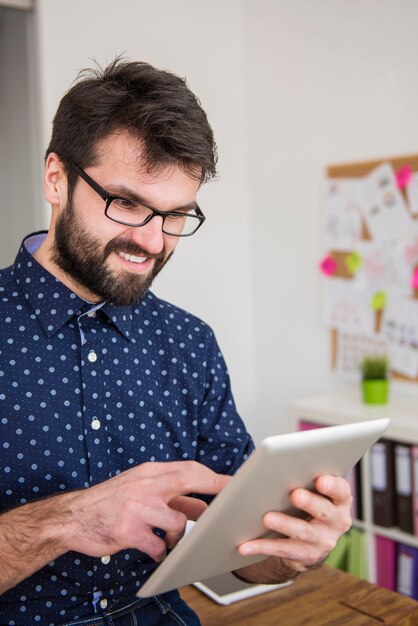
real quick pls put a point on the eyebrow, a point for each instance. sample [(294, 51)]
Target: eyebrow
[(125, 192)]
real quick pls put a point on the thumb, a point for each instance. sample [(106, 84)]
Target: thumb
[(192, 508)]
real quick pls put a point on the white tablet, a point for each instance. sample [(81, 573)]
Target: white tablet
[(263, 483), (226, 588)]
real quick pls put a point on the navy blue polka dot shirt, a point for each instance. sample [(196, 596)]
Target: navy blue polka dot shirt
[(86, 392)]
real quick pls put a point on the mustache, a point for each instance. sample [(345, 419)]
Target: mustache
[(129, 247)]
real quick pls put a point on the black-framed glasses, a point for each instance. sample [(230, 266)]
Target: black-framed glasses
[(133, 213)]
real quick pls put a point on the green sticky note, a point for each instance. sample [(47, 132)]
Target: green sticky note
[(353, 262), (378, 301)]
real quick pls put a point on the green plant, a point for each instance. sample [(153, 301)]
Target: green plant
[(374, 367)]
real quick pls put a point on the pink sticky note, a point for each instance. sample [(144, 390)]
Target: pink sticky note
[(403, 176), (328, 266), (415, 279)]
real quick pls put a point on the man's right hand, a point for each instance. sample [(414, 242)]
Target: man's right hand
[(117, 514), (121, 512)]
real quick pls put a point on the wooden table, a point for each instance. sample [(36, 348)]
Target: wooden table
[(323, 597)]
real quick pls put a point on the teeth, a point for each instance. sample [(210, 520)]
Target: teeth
[(132, 258)]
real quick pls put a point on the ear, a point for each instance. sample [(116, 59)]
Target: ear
[(55, 181)]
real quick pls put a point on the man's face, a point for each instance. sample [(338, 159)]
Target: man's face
[(106, 260)]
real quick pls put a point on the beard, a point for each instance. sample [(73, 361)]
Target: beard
[(82, 257)]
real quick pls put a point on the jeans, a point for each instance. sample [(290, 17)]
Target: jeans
[(164, 610)]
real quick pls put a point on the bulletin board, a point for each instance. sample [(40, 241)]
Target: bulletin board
[(401, 166)]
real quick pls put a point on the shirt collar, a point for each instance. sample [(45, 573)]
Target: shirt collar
[(52, 302), (122, 317)]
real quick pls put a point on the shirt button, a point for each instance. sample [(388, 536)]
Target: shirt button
[(91, 313), (95, 424), (103, 603), (105, 559), (92, 357)]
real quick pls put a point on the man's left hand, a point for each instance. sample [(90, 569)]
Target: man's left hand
[(306, 542)]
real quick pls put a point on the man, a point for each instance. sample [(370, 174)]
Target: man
[(115, 405)]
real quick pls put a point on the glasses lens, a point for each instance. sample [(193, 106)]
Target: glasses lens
[(128, 212), (181, 224)]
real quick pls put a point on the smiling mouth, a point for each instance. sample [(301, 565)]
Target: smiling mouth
[(132, 258)]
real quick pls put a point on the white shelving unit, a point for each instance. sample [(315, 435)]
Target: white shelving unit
[(345, 407)]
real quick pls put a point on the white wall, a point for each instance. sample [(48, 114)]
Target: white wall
[(19, 209), (329, 81), (289, 86)]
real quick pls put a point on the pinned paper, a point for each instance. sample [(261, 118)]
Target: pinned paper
[(328, 266), (384, 268), (353, 347), (400, 327), (353, 262), (408, 248), (343, 202), (385, 211), (412, 194), (346, 308), (414, 283), (378, 301), (403, 177)]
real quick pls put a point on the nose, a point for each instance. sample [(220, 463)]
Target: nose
[(150, 237)]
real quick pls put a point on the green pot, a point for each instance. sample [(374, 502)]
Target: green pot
[(375, 391)]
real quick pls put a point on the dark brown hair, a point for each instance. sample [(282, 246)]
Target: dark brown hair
[(154, 106)]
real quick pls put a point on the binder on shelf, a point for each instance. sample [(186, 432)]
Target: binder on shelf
[(407, 578), (383, 484), (358, 490), (350, 554), (414, 453), (386, 562), (403, 481), (357, 557), (355, 479), (338, 558)]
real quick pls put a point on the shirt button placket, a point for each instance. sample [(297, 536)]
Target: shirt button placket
[(95, 355), (92, 375)]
